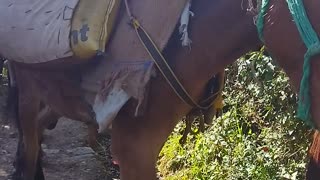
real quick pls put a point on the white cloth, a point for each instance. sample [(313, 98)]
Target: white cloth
[(184, 23)]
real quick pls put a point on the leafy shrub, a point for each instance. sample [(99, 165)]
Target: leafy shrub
[(256, 138)]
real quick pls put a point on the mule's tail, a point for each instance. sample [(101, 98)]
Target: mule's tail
[(313, 167)]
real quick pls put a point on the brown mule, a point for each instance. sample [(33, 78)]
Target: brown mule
[(222, 31)]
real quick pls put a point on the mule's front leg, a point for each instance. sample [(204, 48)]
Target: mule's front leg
[(136, 143), (133, 154)]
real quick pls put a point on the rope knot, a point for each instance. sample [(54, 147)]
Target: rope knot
[(135, 23)]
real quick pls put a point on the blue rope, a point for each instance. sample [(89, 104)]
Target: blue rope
[(311, 40)]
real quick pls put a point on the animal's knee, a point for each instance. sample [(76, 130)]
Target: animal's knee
[(126, 146)]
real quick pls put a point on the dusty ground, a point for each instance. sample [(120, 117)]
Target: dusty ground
[(67, 155)]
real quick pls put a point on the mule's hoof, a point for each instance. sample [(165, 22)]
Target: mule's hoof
[(209, 115), (93, 136), (183, 140)]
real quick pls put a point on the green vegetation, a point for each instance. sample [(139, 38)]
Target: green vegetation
[(257, 137)]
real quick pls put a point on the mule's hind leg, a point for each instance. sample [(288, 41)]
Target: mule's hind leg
[(28, 110), (19, 165), (18, 161)]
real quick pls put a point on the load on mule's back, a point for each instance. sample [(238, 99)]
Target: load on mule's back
[(34, 31)]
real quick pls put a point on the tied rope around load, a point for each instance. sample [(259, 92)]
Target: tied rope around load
[(311, 41)]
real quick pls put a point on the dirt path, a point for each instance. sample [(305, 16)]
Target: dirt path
[(67, 155)]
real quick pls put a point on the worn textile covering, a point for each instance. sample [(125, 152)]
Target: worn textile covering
[(35, 31), (122, 81)]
